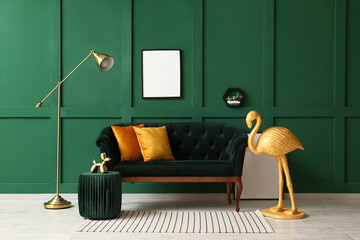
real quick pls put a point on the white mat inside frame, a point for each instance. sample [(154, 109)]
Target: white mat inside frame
[(181, 222)]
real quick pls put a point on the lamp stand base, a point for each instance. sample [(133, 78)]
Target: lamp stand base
[(282, 214), (57, 202)]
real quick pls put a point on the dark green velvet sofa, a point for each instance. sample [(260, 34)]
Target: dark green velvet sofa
[(204, 152)]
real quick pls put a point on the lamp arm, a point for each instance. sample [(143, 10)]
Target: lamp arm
[(59, 83)]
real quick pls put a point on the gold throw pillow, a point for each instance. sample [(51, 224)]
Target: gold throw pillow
[(127, 142), (154, 143)]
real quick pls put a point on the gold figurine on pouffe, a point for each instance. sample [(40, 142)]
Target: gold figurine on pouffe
[(103, 168), (276, 142)]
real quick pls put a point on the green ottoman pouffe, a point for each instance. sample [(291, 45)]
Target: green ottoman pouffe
[(99, 195)]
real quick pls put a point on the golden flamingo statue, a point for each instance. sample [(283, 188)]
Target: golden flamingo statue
[(276, 142)]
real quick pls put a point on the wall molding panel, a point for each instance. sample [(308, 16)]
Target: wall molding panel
[(296, 61)]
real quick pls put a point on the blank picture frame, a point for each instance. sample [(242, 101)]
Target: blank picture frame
[(161, 73)]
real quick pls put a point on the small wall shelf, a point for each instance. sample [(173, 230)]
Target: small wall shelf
[(233, 97)]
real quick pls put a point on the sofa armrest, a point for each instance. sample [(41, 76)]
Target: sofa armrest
[(106, 145), (236, 153)]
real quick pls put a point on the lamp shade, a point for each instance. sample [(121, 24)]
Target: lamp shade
[(104, 61)]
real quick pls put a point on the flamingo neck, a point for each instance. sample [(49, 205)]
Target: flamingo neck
[(252, 134)]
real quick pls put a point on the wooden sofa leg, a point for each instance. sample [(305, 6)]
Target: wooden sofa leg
[(238, 190), (228, 191)]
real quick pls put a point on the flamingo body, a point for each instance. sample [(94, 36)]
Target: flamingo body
[(277, 141)]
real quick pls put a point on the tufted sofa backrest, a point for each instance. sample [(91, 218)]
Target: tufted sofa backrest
[(201, 141), (193, 140)]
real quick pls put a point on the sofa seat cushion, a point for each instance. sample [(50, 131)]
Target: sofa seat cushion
[(183, 168)]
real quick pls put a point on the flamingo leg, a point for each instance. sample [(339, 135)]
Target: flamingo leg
[(280, 205), (289, 185)]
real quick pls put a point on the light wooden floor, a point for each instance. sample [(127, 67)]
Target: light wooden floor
[(335, 216)]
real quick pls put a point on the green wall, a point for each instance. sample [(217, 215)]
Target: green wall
[(296, 60)]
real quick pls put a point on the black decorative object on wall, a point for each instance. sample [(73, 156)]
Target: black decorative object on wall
[(233, 97)]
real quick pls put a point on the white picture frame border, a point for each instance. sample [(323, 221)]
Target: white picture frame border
[(161, 73)]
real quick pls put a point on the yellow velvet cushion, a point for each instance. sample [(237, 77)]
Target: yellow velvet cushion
[(154, 143), (128, 143)]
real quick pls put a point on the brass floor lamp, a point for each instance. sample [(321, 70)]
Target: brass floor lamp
[(104, 62)]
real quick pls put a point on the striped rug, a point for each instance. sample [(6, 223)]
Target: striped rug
[(180, 222)]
